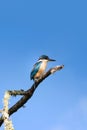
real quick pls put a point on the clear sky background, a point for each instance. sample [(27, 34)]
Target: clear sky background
[(58, 29)]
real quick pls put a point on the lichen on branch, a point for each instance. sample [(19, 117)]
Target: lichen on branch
[(26, 95)]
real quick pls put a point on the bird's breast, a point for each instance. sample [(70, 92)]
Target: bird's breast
[(41, 69)]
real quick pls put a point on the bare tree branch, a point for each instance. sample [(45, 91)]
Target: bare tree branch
[(28, 94)]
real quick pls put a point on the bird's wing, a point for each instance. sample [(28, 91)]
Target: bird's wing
[(35, 69)]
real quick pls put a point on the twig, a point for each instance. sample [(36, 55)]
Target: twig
[(28, 94)]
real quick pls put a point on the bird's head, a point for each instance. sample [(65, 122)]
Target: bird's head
[(44, 57)]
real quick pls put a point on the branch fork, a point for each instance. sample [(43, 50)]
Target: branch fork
[(26, 95)]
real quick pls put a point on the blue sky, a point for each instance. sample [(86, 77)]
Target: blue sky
[(58, 29)]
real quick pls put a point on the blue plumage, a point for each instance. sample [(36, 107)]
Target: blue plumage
[(35, 69)]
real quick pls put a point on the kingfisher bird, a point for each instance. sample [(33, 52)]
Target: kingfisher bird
[(40, 67)]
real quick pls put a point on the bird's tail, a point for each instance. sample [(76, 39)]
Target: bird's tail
[(34, 84)]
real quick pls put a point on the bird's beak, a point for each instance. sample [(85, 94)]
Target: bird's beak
[(51, 60)]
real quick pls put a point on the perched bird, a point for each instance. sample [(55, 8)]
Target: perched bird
[(39, 67)]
